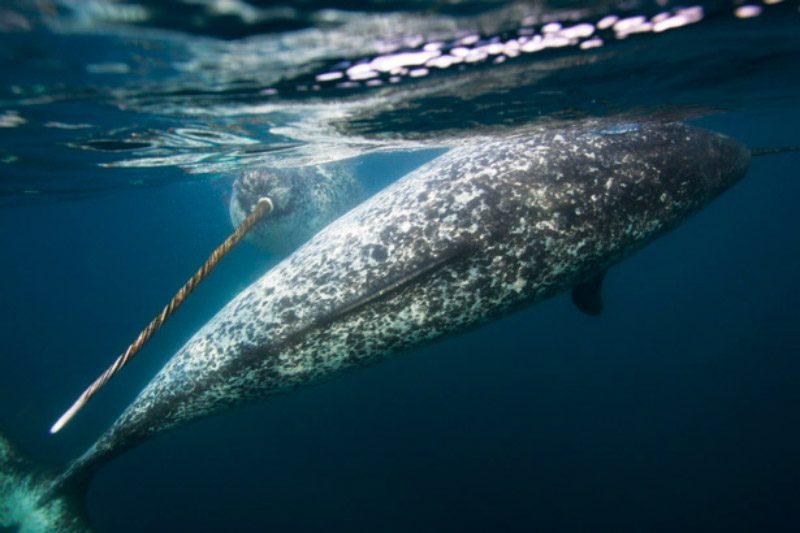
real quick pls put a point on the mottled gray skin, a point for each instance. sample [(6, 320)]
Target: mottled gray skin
[(479, 231), (304, 200)]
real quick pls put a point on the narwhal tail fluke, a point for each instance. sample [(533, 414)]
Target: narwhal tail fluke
[(27, 502)]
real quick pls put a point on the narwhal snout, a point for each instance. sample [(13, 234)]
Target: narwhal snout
[(281, 229), (254, 185)]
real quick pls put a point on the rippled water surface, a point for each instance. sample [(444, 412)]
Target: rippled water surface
[(212, 87), (124, 123)]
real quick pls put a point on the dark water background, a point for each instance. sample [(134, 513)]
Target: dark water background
[(677, 410)]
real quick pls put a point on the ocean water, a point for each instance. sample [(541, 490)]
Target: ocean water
[(123, 126)]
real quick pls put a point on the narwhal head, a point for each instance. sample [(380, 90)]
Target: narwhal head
[(252, 185), (287, 193), (656, 174), (304, 200), (712, 163)]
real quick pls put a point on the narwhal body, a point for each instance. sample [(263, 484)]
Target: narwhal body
[(483, 229)]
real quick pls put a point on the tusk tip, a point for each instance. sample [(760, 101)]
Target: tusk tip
[(66, 417)]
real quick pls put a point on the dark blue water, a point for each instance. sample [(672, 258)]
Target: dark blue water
[(676, 410)]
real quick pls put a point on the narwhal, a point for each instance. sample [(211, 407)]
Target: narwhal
[(305, 199), (487, 227)]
